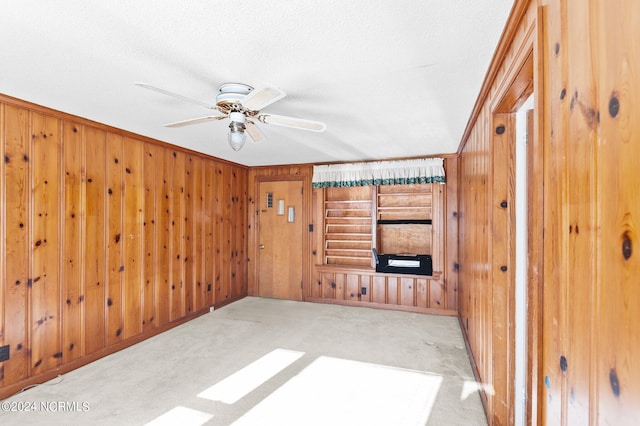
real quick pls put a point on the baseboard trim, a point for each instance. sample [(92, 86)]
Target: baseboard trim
[(225, 302), (373, 305), (474, 367)]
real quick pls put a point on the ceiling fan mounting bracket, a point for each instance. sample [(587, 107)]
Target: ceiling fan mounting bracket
[(230, 96)]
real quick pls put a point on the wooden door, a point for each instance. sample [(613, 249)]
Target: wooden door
[(280, 240)]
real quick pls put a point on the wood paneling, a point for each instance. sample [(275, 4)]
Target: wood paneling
[(212, 258), (581, 215), (150, 240), (16, 199), (190, 192), (358, 287), (95, 246), (115, 265), (45, 312), (164, 235), (616, 385), (73, 260), (592, 95), (199, 219), (485, 216), (501, 220), (450, 237), (219, 238), (176, 280), (343, 284), (133, 237), (97, 226)]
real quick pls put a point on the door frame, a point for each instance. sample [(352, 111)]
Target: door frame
[(253, 232), (525, 77)]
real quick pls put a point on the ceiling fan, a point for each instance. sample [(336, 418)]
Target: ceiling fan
[(242, 104)]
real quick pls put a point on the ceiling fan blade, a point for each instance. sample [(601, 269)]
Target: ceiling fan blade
[(175, 95), (254, 132), (295, 123), (195, 121), (262, 97)]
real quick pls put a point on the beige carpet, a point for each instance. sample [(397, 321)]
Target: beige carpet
[(271, 362)]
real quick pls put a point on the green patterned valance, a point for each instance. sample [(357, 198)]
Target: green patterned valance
[(424, 170)]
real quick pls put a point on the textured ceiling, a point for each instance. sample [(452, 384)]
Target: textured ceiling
[(390, 78)]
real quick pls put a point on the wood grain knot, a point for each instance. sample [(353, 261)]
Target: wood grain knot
[(627, 246), (614, 105), (500, 129), (563, 93), (615, 383), (503, 268), (563, 364)]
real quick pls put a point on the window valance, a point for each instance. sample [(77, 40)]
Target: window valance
[(424, 170)]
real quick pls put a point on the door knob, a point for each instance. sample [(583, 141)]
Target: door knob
[(261, 246)]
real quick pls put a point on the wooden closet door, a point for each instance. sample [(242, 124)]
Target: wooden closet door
[(280, 241)]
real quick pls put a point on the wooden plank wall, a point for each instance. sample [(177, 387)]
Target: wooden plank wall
[(106, 238), (402, 293), (485, 228), (587, 80), (591, 58), (343, 285)]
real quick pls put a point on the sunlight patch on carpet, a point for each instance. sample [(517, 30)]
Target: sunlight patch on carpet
[(242, 382), (469, 387), (338, 391), (182, 416)]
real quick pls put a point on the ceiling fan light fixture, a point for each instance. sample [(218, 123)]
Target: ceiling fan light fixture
[(237, 137)]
